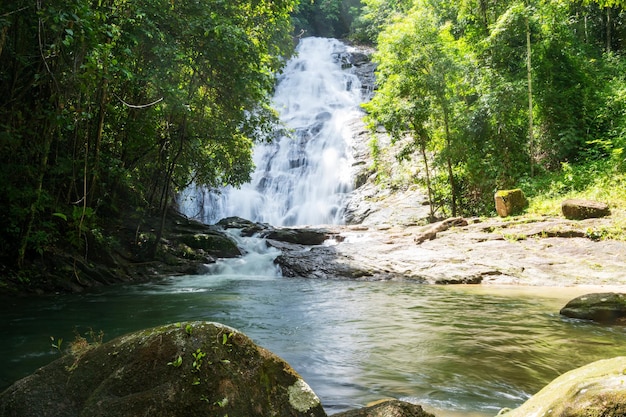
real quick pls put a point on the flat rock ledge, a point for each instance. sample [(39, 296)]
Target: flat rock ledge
[(544, 251)]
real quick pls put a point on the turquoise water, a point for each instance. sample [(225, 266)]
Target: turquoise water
[(466, 350)]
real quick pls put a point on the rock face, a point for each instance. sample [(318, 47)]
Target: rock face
[(390, 408), (597, 389), (193, 369), (584, 209), (359, 59), (510, 202), (600, 307)]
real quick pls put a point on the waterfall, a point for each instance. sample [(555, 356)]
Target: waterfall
[(302, 178)]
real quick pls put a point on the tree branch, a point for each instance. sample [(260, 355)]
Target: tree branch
[(138, 106)]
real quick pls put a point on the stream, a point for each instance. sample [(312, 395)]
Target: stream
[(456, 350)]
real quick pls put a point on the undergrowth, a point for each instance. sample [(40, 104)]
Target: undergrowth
[(597, 180)]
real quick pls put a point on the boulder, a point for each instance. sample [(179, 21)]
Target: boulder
[(321, 262), (601, 307), (575, 209), (248, 228), (193, 369), (298, 236), (597, 389), (201, 237), (387, 408), (510, 202), (213, 243)]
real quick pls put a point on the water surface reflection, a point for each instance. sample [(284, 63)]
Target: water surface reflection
[(469, 350)]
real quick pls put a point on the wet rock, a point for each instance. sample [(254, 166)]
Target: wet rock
[(298, 236), (600, 307), (510, 202), (194, 369), (597, 389), (207, 239), (389, 408), (248, 228), (321, 262), (213, 243), (361, 65), (584, 209)]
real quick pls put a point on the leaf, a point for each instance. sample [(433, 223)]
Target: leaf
[(60, 215), (177, 362)]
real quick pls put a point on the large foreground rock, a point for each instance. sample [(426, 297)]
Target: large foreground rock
[(594, 390), (600, 307), (194, 369)]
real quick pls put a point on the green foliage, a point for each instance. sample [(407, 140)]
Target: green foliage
[(198, 359), (327, 18), (594, 180), (56, 343), (375, 15), (116, 104), (176, 363), (455, 78)]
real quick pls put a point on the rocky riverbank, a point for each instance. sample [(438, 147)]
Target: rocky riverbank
[(519, 251)]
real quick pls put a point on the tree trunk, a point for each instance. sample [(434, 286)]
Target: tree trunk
[(446, 122), (43, 164), (164, 202), (531, 139), (609, 34), (428, 184)]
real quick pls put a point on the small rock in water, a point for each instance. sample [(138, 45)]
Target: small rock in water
[(388, 408), (600, 307)]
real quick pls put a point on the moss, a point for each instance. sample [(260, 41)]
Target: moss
[(302, 397), (594, 390), (510, 202)]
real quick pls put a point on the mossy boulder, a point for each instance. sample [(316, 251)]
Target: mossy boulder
[(595, 390), (193, 369), (510, 202), (216, 244), (601, 307), (576, 209)]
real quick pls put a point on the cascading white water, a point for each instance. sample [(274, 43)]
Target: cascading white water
[(303, 178)]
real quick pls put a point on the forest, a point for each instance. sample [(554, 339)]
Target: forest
[(108, 108)]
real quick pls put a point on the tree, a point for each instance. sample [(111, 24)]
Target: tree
[(328, 18), (417, 76), (118, 102)]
